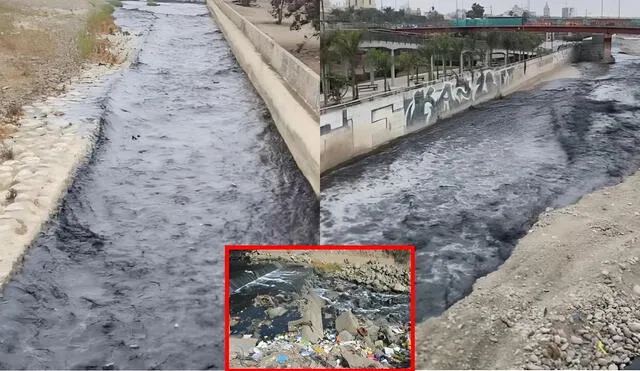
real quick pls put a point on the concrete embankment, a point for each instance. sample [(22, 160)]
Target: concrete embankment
[(357, 128), (289, 89), (52, 140)]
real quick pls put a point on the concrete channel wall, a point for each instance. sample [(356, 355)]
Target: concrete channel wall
[(356, 128), (289, 89)]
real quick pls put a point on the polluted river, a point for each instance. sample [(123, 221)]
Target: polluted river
[(129, 274), (312, 314), (465, 190)]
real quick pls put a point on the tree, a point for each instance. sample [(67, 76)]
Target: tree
[(494, 40), (277, 10), (457, 47), (408, 62), (425, 53), (381, 62), (477, 11), (347, 46), (303, 12), (509, 43)]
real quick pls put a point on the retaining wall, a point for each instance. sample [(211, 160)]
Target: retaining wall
[(289, 89), (357, 128)]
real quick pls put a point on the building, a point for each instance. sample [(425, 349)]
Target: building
[(547, 10), (568, 12), (359, 4)]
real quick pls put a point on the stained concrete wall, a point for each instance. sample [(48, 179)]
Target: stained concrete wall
[(299, 77), (357, 128), (289, 88)]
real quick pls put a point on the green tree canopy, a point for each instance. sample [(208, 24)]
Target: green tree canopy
[(477, 11)]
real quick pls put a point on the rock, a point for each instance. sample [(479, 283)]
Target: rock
[(634, 326), (398, 287), (355, 360), (531, 366), (345, 336), (602, 362), (576, 340), (347, 321), (534, 358), (636, 289), (276, 312), (241, 345), (612, 366), (311, 311)]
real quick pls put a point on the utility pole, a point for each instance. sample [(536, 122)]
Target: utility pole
[(601, 8), (619, 8)]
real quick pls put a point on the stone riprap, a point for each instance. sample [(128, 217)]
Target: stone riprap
[(51, 141)]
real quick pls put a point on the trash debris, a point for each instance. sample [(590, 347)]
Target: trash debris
[(327, 323)]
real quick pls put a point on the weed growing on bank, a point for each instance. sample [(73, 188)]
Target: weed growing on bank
[(151, 3), (115, 3), (323, 267), (91, 42), (400, 256)]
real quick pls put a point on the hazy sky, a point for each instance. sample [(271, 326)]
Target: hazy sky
[(629, 8)]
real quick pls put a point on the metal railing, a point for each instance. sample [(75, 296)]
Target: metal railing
[(419, 86)]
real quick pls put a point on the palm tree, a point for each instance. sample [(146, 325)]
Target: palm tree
[(494, 40), (347, 46), (408, 62), (509, 43), (457, 47), (425, 55), (328, 56), (381, 62)]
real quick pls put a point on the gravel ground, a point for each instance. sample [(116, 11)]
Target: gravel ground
[(37, 50), (566, 298)]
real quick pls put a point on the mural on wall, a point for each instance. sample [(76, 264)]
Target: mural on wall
[(423, 106)]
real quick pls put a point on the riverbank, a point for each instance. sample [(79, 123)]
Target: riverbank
[(301, 311), (568, 296), (47, 141)]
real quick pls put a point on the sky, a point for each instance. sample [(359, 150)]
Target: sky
[(629, 8)]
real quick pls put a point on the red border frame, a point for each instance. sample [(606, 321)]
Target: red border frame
[(412, 317)]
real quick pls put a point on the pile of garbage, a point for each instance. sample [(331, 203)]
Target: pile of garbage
[(322, 341)]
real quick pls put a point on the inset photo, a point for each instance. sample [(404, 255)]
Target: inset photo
[(329, 307)]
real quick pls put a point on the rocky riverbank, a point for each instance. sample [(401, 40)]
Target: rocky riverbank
[(376, 270), (48, 142), (329, 322), (568, 297)]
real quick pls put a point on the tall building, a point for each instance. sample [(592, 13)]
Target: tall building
[(361, 4), (568, 12), (547, 10)]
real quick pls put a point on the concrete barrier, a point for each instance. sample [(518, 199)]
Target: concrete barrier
[(295, 120), (299, 77), (357, 128)]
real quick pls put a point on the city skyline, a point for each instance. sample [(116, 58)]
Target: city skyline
[(629, 8)]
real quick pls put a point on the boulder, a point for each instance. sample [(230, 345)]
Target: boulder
[(276, 312), (345, 336), (348, 322), (355, 360)]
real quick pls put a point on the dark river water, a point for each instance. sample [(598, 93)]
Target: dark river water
[(130, 273), (464, 191)]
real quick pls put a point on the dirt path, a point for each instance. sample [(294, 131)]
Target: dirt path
[(37, 50), (259, 14), (566, 298)]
